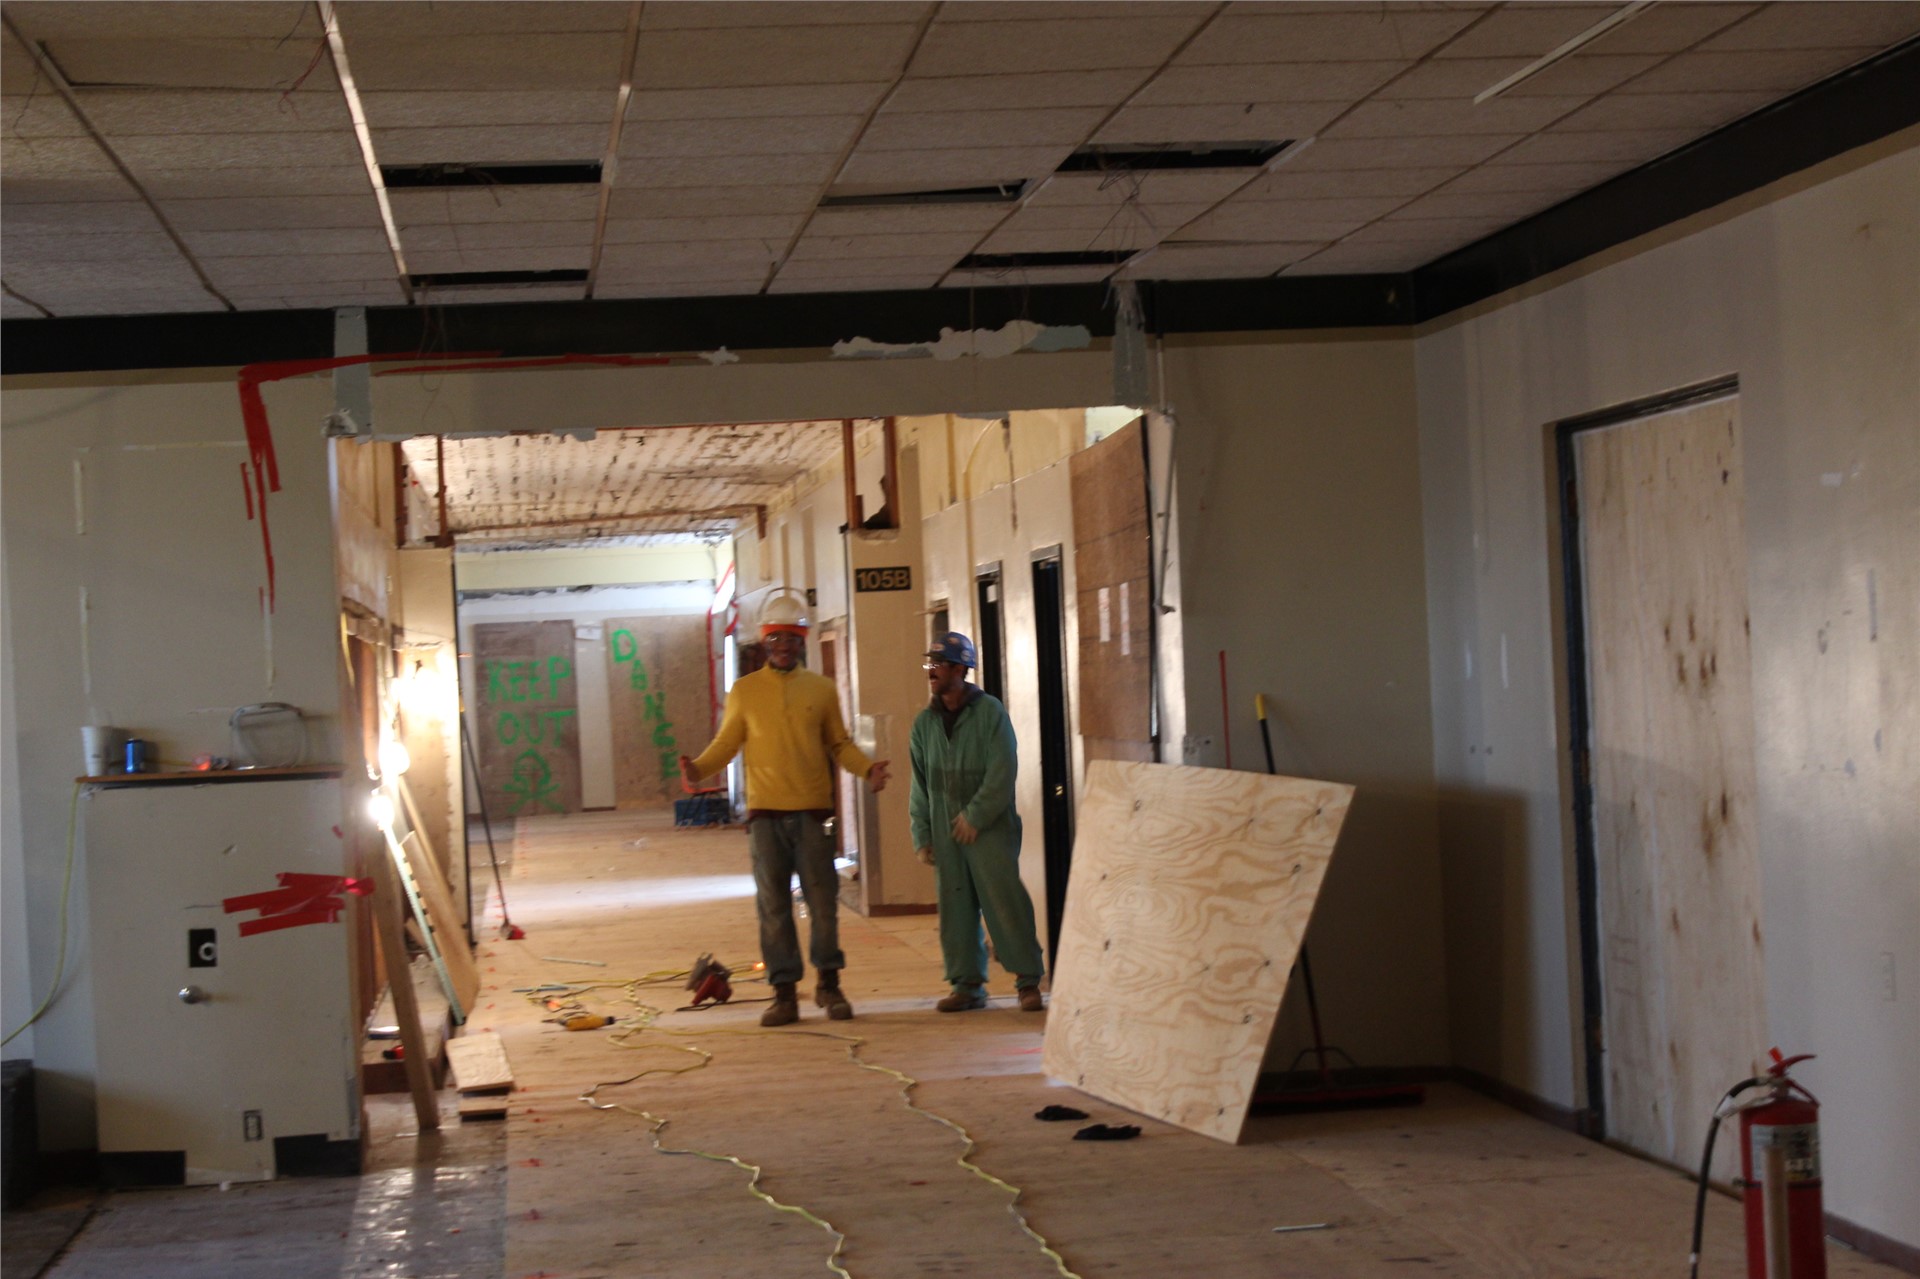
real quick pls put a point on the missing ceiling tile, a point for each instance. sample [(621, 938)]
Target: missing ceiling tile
[(495, 279), (863, 198), (1162, 156), (1018, 261), (566, 173)]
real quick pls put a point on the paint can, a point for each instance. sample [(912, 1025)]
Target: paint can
[(103, 747), (139, 755)]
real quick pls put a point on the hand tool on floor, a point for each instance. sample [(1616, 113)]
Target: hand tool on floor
[(708, 980), (1325, 1094)]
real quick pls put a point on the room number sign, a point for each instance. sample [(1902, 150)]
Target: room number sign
[(883, 579)]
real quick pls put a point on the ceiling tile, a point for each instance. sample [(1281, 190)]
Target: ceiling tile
[(532, 62), (694, 14), (1293, 183), (1669, 28), (451, 109), (1747, 71), (13, 308), (85, 217), (43, 281), (125, 112), (812, 170), (1499, 175), (1623, 149), (239, 151), (1051, 10), (757, 102), (221, 183), (1190, 187), (304, 296), (54, 157), (154, 63), (48, 19), (49, 244), (1342, 82), (1699, 112), (491, 144), (1832, 25), (955, 167), (1216, 261), (1502, 207), (742, 257), (121, 300), (1361, 33), (1579, 75), (1120, 235), (1315, 221), (40, 115), (730, 272), (909, 218), (1059, 44), (770, 231), (1391, 153), (1253, 122), (1145, 222), (733, 287), (292, 241), (770, 135), (1525, 32), (694, 202), (316, 268), (702, 59), (464, 296), (902, 131), (1446, 234), (495, 235), (1025, 91), (53, 187), (365, 21), (1503, 115), (468, 205), (950, 245)]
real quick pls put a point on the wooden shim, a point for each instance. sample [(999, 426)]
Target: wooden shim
[(483, 1108), (526, 723), (444, 917), (657, 691), (1190, 895), (479, 1063), (1113, 584), (393, 952)]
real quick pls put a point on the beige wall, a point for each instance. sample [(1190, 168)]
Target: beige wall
[(1813, 301), (135, 585)]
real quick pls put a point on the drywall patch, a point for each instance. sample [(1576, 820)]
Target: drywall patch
[(987, 344)]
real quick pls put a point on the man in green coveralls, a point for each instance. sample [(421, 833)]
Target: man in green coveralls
[(965, 827)]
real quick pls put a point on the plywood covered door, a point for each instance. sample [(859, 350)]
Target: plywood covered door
[(657, 683), (528, 724), (1663, 567), (1114, 594)]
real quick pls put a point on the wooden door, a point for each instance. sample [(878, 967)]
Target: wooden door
[(1663, 563), (1113, 585), (657, 686), (528, 724)]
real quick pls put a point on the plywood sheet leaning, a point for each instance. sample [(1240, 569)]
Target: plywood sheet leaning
[(527, 725), (1190, 895), (657, 689), (1114, 590)]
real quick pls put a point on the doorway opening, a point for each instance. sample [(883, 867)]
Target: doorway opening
[(988, 648), (1056, 750)]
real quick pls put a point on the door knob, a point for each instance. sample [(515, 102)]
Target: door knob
[(193, 995)]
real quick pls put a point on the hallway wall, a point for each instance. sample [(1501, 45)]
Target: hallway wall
[(1813, 301)]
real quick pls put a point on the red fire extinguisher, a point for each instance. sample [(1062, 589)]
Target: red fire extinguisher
[(1779, 1174)]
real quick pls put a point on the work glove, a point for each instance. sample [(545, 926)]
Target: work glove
[(963, 830), (926, 856)]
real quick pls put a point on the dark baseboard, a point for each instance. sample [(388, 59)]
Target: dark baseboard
[(1873, 1244), (314, 1155), (125, 1169), (1574, 1121)]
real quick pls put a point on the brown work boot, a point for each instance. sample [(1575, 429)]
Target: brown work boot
[(1030, 1001), (827, 994), (785, 1008), (963, 999)]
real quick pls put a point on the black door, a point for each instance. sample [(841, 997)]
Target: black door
[(1056, 755), (993, 668)]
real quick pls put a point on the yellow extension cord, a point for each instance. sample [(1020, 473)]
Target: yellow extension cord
[(648, 1015), (60, 964)]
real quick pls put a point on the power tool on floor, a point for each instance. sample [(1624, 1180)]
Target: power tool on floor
[(708, 980)]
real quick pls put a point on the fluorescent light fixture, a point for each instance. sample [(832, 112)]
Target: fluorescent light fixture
[(1585, 38)]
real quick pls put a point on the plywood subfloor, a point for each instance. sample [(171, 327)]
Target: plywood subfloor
[(1460, 1186)]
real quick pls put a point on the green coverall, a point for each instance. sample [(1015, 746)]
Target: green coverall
[(973, 771)]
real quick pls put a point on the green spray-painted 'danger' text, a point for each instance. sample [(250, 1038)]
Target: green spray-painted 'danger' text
[(626, 651)]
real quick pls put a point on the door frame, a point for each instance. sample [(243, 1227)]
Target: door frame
[(1055, 556), (1577, 752)]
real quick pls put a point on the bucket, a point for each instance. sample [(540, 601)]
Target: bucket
[(103, 747)]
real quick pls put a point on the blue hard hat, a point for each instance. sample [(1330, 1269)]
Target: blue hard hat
[(953, 647)]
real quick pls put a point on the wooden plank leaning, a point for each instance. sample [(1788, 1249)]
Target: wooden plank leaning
[(448, 923), (393, 953)]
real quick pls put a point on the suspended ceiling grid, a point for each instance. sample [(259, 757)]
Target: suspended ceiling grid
[(214, 163), (631, 486)]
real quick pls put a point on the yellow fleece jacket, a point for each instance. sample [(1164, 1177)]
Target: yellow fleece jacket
[(790, 724)]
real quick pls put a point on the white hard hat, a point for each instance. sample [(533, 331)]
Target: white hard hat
[(785, 612)]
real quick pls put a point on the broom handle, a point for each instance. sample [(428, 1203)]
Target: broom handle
[(1306, 966)]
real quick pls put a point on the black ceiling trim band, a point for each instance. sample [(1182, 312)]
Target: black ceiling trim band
[(1873, 100), (1878, 97)]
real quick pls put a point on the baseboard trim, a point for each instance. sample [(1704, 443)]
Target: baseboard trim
[(1874, 1245), (1551, 1112), (873, 911)]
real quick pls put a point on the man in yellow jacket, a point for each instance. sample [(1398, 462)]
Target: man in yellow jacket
[(788, 721)]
